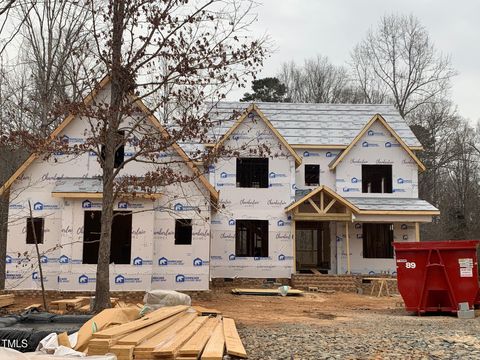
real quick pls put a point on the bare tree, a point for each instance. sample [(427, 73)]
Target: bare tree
[(317, 81), (55, 36), (399, 61)]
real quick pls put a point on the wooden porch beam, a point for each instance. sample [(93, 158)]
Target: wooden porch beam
[(322, 205), (330, 204), (315, 206), (347, 247)]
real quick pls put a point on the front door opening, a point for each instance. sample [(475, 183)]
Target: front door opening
[(121, 246), (312, 244)]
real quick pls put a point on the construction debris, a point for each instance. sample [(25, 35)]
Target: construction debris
[(175, 332), (266, 292), (80, 303), (6, 300)]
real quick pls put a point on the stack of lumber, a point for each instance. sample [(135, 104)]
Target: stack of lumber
[(265, 292), (80, 303), (177, 332), (6, 300)]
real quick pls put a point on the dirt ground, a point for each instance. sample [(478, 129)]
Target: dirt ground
[(309, 308), (247, 309)]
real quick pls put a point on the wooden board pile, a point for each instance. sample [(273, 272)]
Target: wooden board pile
[(177, 332), (6, 300), (265, 292), (80, 303)]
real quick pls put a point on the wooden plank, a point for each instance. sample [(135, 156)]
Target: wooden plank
[(197, 342), (265, 292), (165, 335), (215, 345), (170, 348), (233, 343), (206, 311), (149, 319), (123, 351), (147, 332)]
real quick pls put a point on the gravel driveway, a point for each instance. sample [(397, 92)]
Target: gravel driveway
[(366, 336)]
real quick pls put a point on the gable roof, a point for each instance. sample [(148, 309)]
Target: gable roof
[(326, 190), (87, 101), (316, 125), (248, 110), (367, 126)]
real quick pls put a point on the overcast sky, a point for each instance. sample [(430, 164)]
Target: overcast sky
[(304, 28)]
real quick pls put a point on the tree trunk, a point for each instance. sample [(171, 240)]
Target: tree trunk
[(112, 123), (3, 236)]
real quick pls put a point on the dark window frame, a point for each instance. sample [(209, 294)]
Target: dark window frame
[(312, 176), (373, 174), (119, 157), (183, 232), (37, 221), (377, 240), (252, 173), (122, 237), (248, 234)]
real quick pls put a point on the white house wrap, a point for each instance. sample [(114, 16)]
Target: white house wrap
[(333, 187)]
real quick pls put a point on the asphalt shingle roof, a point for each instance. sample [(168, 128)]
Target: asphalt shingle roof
[(316, 124)]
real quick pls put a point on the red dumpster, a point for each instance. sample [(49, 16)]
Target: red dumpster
[(438, 275)]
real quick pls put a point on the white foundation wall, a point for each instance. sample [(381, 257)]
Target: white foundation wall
[(63, 227), (358, 264), (255, 204), (377, 146), (321, 157)]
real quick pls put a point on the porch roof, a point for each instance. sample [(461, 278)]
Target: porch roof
[(88, 187), (370, 205), (392, 204)]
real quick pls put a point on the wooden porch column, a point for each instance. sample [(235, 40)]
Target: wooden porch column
[(294, 247), (417, 231), (347, 247)]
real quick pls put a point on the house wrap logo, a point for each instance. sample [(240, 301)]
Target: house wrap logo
[(44, 259), (16, 206), (120, 280), (225, 175), (355, 180), (39, 206), (404, 226), (308, 153), (181, 207), (403, 181), (163, 261), (369, 144), (231, 257), (375, 133), (84, 279), (180, 278), (199, 262), (358, 225), (231, 222), (87, 204), (127, 205), (282, 257), (389, 144), (36, 276), (350, 189), (274, 175), (8, 259), (63, 259), (71, 140), (159, 278), (283, 223)]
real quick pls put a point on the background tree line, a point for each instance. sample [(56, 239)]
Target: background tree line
[(398, 63)]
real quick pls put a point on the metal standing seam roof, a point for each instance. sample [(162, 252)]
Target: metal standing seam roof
[(314, 124), (391, 204)]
